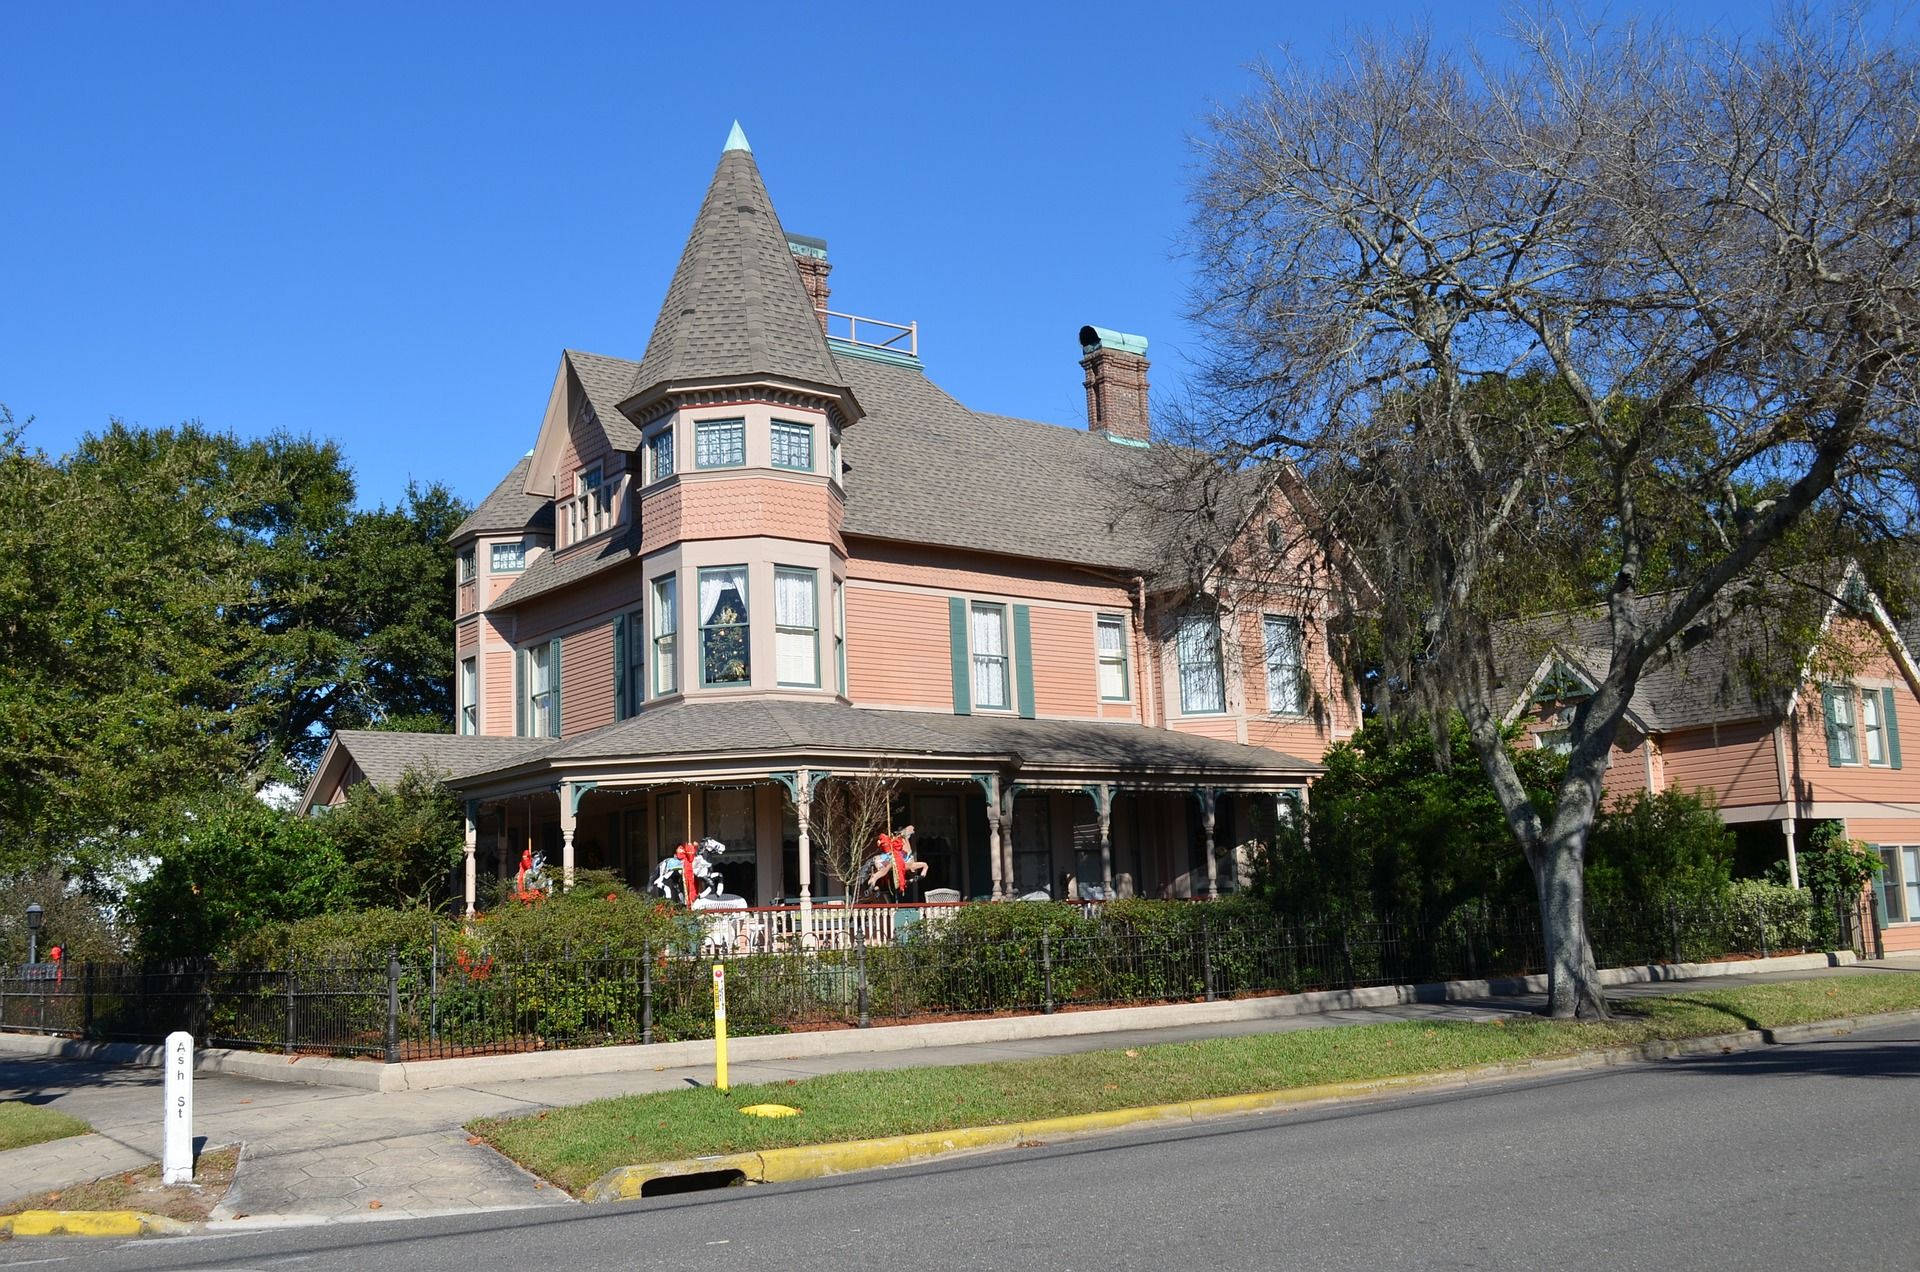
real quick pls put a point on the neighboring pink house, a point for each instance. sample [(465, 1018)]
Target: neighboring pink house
[(773, 549), (1825, 749)]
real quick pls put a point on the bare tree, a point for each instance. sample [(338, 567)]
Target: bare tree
[(849, 814), (1613, 320)]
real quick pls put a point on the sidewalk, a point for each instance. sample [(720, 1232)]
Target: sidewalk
[(327, 1153)]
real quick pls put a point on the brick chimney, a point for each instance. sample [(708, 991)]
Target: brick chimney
[(1116, 366), (810, 254)]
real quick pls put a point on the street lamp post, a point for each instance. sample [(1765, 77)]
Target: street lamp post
[(35, 917)]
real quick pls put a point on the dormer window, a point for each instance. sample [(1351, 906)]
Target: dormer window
[(719, 443), (591, 509), (660, 455)]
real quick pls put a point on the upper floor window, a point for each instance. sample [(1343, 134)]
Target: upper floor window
[(834, 469), (725, 635), (1203, 688), (542, 691), (508, 557), (793, 446), (719, 443), (1843, 744), (463, 565), (660, 455), (591, 509), (1872, 727), (469, 696), (630, 651), (1558, 735), (666, 624), (796, 627), (988, 624), (1110, 632), (1280, 642), (840, 632)]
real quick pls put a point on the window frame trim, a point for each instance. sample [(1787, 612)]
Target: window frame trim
[(773, 456), (1219, 664), (738, 420), (1100, 659), (813, 580), (1299, 668), (746, 569), (1006, 656), (656, 634)]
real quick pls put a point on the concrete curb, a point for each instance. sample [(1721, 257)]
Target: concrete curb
[(784, 1165), (90, 1223), (421, 1075)]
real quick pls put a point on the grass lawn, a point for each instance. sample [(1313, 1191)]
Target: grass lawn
[(24, 1124), (574, 1146)]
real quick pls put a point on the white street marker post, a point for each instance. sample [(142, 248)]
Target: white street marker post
[(176, 1161)]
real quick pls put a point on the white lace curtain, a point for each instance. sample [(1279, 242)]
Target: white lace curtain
[(797, 622), (990, 657), (715, 584)]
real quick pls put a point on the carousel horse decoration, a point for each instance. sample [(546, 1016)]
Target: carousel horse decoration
[(692, 868), (888, 870), (531, 884)]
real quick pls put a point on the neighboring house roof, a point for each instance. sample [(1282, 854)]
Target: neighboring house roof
[(1747, 670), (509, 507), (736, 305), (383, 757), (748, 726)]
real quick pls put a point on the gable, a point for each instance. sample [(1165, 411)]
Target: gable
[(574, 423)]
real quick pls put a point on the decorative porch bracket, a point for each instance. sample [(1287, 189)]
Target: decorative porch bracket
[(578, 792)]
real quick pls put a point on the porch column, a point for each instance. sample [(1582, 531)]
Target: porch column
[(1207, 794), (1103, 806), (993, 846), (803, 813), (1006, 846), (472, 846), (569, 803), (1793, 858)]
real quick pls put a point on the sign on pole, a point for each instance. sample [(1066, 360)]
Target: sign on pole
[(176, 1160), (720, 1025)]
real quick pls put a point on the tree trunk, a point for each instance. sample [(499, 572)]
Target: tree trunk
[(1573, 983)]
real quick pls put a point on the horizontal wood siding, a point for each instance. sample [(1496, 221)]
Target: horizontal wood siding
[(947, 571), (619, 588), (1065, 679), (898, 653), (586, 686), (1734, 761), (496, 682), (466, 636), (1858, 783)]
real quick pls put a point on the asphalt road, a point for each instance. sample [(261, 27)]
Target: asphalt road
[(1791, 1157)]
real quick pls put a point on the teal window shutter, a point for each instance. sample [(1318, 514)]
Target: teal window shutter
[(554, 718), (1023, 659), (620, 711), (519, 694), (962, 677), (1826, 717), (1893, 728)]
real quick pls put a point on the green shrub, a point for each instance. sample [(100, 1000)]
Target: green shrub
[(1650, 850), (401, 843), (1787, 913)]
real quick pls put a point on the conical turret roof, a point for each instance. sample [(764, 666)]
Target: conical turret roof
[(736, 305)]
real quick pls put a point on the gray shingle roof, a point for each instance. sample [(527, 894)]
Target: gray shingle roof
[(509, 507), (383, 757), (787, 727), (552, 570), (1745, 671), (736, 305), (607, 382)]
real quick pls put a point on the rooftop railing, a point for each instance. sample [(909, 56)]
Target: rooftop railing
[(873, 333)]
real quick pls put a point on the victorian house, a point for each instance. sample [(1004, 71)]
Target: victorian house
[(773, 550)]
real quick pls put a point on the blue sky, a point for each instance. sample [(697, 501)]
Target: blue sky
[(382, 223)]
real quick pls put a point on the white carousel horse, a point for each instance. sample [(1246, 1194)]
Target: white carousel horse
[(670, 879)]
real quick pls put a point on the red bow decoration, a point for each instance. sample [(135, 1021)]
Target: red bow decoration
[(686, 853), (896, 847), (59, 968)]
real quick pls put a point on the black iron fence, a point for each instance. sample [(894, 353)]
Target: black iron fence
[(396, 1009)]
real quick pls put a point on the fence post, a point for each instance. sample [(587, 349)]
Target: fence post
[(1673, 928), (1046, 972), (433, 988), (1206, 957), (860, 959), (86, 973), (646, 992), (393, 1007), (1346, 948), (290, 999), (1760, 921)]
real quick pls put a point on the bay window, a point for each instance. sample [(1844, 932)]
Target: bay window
[(726, 656), (796, 626)]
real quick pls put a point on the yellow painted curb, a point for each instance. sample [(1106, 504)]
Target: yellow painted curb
[(90, 1223), (813, 1161)]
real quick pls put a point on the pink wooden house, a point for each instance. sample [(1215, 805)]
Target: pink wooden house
[(1824, 749), (773, 549)]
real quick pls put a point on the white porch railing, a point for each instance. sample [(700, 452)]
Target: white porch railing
[(776, 928)]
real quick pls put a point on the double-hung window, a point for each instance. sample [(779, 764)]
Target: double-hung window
[(719, 443), (469, 696), (840, 633), (796, 627), (540, 691), (1843, 743), (1203, 688), (631, 649), (793, 446), (990, 680), (1897, 888), (660, 455), (725, 634), (1280, 636), (508, 558), (1110, 639), (1873, 727), (591, 509), (465, 566), (666, 675)]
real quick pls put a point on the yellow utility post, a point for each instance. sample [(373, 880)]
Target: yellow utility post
[(720, 1026)]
